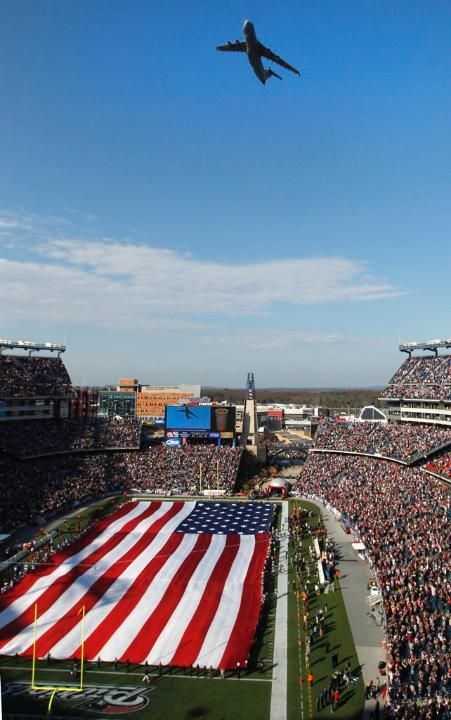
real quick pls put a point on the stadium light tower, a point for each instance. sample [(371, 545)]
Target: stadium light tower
[(249, 433)]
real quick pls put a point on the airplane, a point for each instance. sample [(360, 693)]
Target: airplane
[(187, 412), (255, 52)]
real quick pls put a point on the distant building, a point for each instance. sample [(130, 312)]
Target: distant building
[(130, 398), (127, 384), (117, 402), (276, 419), (85, 404), (151, 400)]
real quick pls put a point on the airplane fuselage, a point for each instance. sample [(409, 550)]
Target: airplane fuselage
[(253, 51)]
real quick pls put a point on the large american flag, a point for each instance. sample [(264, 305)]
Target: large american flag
[(173, 582)]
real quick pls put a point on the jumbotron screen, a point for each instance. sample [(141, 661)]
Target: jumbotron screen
[(188, 417), (200, 417)]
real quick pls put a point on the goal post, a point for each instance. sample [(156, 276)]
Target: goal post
[(57, 688)]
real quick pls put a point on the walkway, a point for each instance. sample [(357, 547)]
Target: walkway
[(354, 576), (279, 680)]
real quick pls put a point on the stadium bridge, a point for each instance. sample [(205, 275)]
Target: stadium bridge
[(293, 453)]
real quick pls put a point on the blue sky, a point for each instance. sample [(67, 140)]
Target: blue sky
[(169, 217)]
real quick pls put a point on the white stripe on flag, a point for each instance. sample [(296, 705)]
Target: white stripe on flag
[(218, 634)]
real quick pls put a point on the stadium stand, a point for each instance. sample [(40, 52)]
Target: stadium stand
[(440, 465), (31, 438), (23, 376), (48, 466), (427, 378), (52, 485), (402, 516), (400, 441)]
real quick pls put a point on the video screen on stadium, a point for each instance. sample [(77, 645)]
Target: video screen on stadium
[(188, 417)]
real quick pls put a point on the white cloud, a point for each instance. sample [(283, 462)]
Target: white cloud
[(108, 283), (273, 338)]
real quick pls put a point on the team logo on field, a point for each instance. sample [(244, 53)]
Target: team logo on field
[(103, 699)]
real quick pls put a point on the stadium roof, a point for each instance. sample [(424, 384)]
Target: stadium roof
[(30, 346), (432, 345)]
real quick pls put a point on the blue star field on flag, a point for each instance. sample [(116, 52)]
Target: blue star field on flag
[(225, 518)]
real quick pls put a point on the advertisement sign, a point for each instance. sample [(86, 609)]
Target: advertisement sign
[(173, 442), (223, 419)]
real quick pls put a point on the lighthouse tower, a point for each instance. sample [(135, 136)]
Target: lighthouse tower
[(249, 433)]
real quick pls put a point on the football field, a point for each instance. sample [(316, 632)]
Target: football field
[(111, 685)]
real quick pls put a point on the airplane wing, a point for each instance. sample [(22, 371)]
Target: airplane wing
[(237, 46), (267, 53)]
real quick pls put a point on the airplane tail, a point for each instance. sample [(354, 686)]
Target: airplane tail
[(271, 73)]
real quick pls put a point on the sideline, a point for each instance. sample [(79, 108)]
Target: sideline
[(278, 709), (125, 675), (355, 573)]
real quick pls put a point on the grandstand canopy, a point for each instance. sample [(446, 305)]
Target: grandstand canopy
[(28, 345), (432, 345)]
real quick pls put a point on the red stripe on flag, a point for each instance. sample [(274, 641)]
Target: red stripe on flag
[(241, 637), (194, 635), (141, 646)]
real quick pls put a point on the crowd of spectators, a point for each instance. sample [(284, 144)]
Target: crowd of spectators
[(185, 470), (29, 438), (400, 441), (441, 465), (36, 556), (23, 376), (48, 486), (403, 518), (427, 378)]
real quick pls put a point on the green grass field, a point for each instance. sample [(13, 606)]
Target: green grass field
[(338, 635), (183, 696)]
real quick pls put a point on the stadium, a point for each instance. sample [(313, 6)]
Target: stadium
[(139, 580)]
